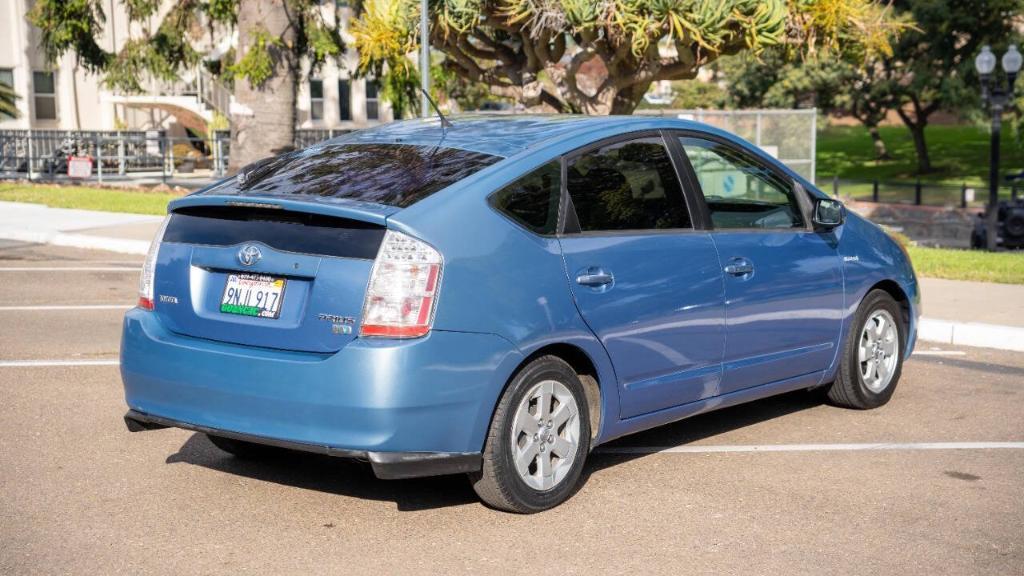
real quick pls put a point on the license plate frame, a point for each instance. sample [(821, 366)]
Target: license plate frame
[(261, 284)]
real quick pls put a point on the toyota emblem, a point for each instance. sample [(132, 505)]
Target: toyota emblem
[(249, 255)]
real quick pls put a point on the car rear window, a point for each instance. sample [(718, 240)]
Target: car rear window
[(391, 174)]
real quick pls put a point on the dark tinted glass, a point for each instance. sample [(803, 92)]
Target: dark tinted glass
[(316, 88), (289, 231), (533, 199), (741, 192), (42, 82), (393, 174), (627, 185), (344, 100)]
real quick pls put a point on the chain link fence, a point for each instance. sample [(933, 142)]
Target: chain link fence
[(788, 135)]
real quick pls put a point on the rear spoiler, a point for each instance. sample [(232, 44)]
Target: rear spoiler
[(342, 208)]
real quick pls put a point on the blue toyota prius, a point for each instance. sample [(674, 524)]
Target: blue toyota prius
[(499, 297)]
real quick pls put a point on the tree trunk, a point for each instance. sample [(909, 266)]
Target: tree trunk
[(881, 153), (263, 117), (924, 164), (628, 98)]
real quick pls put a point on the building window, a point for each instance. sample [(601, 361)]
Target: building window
[(341, 4), (316, 99), (44, 93), (7, 79), (344, 100), (372, 101)]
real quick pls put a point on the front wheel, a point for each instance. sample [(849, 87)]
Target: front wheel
[(872, 358), (538, 440)]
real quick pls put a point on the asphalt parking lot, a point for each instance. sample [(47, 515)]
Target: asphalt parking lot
[(782, 486)]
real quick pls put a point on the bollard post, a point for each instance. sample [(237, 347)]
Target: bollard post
[(917, 192), (963, 195), (835, 186), (30, 173), (99, 157), (120, 154), (1013, 192), (874, 191)]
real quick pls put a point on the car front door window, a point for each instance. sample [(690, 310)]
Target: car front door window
[(741, 192)]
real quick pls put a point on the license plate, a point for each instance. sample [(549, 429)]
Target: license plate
[(253, 295)]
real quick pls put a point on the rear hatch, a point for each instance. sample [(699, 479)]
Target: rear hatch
[(309, 271), (300, 231)]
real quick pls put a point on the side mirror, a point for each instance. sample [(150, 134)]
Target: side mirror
[(828, 213)]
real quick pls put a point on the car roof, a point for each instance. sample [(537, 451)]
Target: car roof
[(498, 134)]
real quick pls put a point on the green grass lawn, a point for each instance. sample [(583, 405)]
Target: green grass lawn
[(87, 198), (959, 154), (1001, 267)]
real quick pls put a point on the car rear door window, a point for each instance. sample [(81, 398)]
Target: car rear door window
[(533, 199), (626, 185), (740, 191)]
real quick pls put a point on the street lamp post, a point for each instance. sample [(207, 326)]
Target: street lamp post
[(993, 94), (424, 61)]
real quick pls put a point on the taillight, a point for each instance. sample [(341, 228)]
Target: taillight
[(402, 291), (149, 268)]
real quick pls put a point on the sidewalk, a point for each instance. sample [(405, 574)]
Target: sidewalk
[(954, 312), (972, 313), (124, 233)]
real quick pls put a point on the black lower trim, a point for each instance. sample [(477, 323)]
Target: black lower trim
[(386, 465)]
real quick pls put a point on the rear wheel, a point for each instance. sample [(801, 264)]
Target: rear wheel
[(872, 359), (242, 449), (538, 440)]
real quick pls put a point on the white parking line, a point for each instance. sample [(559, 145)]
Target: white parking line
[(938, 353), (812, 447), (68, 307), (51, 363), (69, 269)]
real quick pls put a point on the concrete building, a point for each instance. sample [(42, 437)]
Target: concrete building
[(63, 96)]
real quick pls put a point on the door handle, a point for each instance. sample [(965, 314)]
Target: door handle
[(594, 278), (739, 267)]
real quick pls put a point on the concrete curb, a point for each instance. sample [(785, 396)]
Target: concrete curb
[(120, 245), (971, 334)]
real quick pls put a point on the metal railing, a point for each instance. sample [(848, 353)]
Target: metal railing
[(214, 93), (124, 156), (916, 193)]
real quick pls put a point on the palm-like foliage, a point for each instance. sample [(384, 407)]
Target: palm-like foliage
[(8, 101), (533, 50)]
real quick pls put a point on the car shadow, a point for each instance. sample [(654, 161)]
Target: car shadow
[(327, 474), (355, 479), (704, 426)]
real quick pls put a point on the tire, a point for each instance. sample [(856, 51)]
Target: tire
[(851, 388), (242, 449), (500, 482)]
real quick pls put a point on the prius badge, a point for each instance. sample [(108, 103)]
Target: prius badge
[(249, 254)]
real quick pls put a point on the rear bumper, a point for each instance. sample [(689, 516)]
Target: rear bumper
[(412, 408), (386, 465)]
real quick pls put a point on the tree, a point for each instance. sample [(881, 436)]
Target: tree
[(868, 97), (932, 67), (832, 84), (535, 51), (275, 38)]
